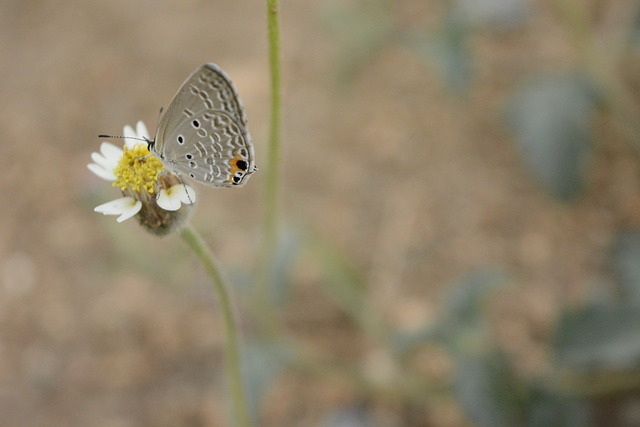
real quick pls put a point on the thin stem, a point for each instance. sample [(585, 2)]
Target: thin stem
[(273, 159), (270, 232), (232, 353)]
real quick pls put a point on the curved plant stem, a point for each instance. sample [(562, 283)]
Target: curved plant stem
[(231, 348)]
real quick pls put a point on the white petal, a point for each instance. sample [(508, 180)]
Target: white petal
[(141, 129), (111, 153), (103, 162), (186, 194), (129, 134), (128, 131), (101, 172), (131, 212), (168, 200), (117, 206), (99, 159)]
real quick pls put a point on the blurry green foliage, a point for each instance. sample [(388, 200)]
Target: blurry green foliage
[(603, 335), (487, 386), (625, 265), (462, 324), (486, 390), (448, 50), (489, 14), (289, 246), (546, 409), (635, 33), (599, 337), (263, 362), (363, 30), (343, 281), (551, 118), (350, 416)]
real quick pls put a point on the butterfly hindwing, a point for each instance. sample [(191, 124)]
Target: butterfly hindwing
[(210, 147)]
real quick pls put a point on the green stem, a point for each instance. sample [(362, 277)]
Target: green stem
[(273, 156), (270, 232), (232, 353)]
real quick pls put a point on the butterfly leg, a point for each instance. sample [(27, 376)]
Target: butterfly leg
[(169, 178), (143, 158)]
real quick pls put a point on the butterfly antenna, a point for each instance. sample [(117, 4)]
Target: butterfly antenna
[(123, 137), (149, 142)]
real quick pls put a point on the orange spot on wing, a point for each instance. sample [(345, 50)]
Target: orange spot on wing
[(234, 167)]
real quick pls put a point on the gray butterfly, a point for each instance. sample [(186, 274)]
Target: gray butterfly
[(203, 134)]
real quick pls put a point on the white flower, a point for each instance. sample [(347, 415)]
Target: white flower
[(149, 189)]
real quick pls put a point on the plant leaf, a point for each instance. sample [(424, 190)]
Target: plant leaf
[(551, 410), (625, 259), (500, 14), (484, 388), (263, 362), (466, 301), (350, 416), (604, 337), (289, 246), (551, 118), (450, 52), (404, 342)]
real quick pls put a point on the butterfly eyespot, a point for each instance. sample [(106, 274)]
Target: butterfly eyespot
[(189, 156), (242, 165), (180, 139), (237, 179), (193, 165), (196, 124)]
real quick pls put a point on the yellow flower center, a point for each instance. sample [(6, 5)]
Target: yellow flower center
[(138, 169)]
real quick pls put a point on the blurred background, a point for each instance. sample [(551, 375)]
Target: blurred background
[(460, 210)]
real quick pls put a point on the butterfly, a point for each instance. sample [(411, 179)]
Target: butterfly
[(203, 134)]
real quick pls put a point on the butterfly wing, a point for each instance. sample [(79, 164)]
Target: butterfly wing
[(211, 147), (204, 132), (207, 88)]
